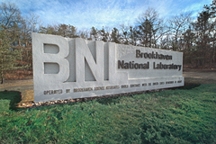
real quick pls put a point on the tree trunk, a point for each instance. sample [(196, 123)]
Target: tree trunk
[(2, 80), (2, 77)]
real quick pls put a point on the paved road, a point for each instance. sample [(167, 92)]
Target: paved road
[(19, 85), (201, 75)]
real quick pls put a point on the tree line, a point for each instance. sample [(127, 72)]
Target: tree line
[(193, 36)]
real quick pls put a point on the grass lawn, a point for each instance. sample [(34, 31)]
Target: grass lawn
[(170, 116)]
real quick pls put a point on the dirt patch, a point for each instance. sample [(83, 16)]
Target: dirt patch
[(19, 75)]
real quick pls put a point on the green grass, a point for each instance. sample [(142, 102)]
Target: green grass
[(170, 116)]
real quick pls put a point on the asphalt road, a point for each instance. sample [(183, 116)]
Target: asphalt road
[(190, 76)]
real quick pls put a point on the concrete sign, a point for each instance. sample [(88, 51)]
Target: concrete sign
[(66, 68)]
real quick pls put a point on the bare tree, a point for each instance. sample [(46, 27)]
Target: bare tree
[(94, 34), (9, 15), (177, 26)]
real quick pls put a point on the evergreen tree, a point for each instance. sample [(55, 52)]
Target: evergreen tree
[(8, 55), (94, 34), (150, 28), (133, 36), (115, 36), (189, 47), (205, 35)]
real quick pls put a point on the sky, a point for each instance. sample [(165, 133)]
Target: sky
[(103, 13)]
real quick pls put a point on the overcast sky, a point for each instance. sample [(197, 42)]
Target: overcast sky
[(99, 13)]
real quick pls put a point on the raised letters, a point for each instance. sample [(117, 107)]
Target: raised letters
[(152, 55), (132, 65)]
